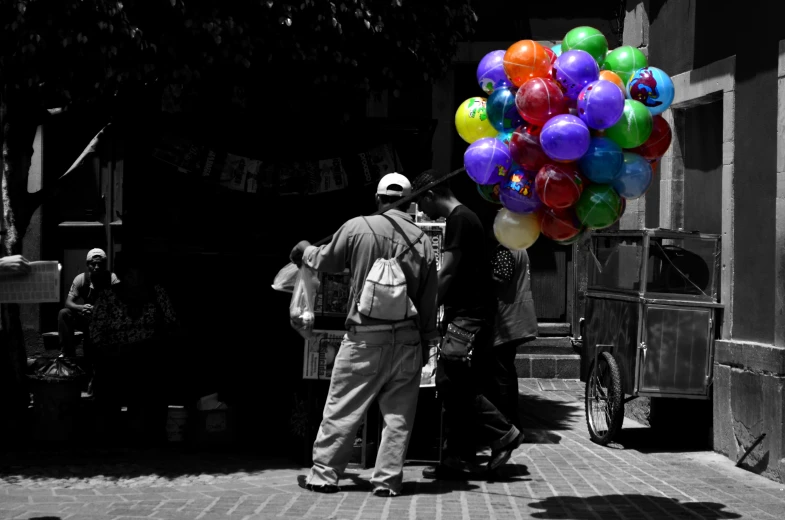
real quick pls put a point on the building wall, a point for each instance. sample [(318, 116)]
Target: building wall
[(728, 122)]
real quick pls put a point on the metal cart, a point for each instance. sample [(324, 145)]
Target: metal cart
[(651, 317)]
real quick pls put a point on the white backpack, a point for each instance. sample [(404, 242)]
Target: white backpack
[(384, 295)]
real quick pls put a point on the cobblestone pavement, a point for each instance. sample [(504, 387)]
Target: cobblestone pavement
[(557, 473)]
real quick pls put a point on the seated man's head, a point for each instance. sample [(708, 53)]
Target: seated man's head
[(392, 188), (432, 200), (96, 266)]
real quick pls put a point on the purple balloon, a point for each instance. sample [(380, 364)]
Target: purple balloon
[(574, 70), (490, 72), (635, 177), (517, 193), (600, 104), (565, 138), (487, 160)]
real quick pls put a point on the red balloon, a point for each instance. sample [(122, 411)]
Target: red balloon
[(658, 142), (559, 224), (525, 147), (539, 99), (558, 185), (551, 55)]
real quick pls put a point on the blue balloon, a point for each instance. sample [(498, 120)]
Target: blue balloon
[(557, 49), (603, 161), (635, 177), (652, 87), (501, 110), (504, 137)]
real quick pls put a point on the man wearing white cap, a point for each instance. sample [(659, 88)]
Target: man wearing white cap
[(381, 355), (79, 302)]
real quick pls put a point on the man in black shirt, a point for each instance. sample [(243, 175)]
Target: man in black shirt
[(465, 290)]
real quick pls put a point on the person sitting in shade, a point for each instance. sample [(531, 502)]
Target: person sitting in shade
[(80, 300)]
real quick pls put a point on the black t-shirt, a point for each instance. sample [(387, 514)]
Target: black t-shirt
[(470, 293)]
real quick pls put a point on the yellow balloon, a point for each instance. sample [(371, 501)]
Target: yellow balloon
[(516, 230), (471, 120)]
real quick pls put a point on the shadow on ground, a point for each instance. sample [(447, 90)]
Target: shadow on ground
[(538, 412), (661, 440), (626, 506)]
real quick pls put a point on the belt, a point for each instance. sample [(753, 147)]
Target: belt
[(383, 326)]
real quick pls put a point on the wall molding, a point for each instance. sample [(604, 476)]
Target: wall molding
[(712, 83)]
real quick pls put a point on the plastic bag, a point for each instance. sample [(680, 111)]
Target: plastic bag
[(59, 369), (286, 278), (301, 309)]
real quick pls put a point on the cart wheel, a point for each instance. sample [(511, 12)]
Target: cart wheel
[(604, 399)]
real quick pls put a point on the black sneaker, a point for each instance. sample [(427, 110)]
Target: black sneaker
[(384, 493), (500, 457), (316, 488)]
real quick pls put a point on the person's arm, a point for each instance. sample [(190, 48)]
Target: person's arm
[(427, 307), (73, 295), (450, 261), (13, 265), (329, 258)]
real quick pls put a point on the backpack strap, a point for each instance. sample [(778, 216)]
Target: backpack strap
[(409, 245)]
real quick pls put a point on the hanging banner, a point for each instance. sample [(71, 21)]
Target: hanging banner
[(253, 175)]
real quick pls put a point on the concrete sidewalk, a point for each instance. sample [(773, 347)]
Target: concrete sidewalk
[(557, 473)]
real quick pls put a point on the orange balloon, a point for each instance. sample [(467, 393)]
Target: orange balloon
[(614, 78), (525, 60)]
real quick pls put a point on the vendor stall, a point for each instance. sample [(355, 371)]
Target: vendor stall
[(652, 314)]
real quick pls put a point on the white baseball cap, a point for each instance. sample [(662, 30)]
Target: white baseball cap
[(394, 184), (96, 253)]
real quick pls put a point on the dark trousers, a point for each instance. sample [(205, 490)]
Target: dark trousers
[(67, 322), (496, 367), (470, 418), (131, 377)]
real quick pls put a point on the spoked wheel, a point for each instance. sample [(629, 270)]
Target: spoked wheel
[(604, 399)]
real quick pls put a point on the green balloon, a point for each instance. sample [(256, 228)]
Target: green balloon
[(586, 39), (489, 192), (598, 206), (624, 61), (634, 127)]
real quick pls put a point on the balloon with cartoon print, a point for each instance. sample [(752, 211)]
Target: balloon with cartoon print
[(518, 194), (487, 161), (471, 120), (652, 87), (490, 72)]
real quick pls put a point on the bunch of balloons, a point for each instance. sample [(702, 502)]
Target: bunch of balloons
[(565, 136)]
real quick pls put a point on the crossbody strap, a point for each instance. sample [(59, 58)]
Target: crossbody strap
[(409, 245)]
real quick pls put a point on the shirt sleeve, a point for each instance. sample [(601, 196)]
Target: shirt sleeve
[(332, 257), (76, 286), (454, 231), (503, 264)]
